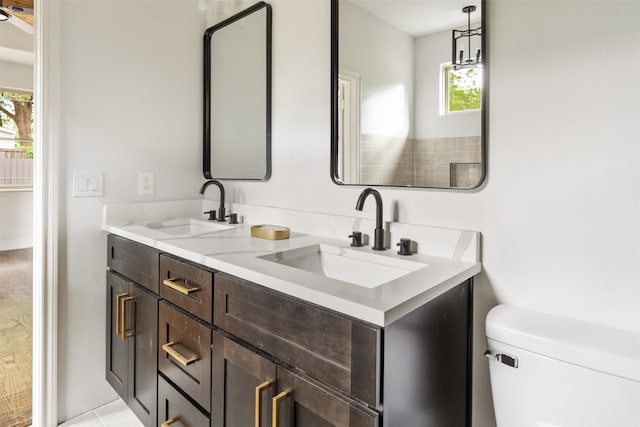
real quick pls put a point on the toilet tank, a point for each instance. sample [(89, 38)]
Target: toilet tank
[(549, 371)]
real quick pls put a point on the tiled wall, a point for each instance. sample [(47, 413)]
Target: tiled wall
[(436, 162)]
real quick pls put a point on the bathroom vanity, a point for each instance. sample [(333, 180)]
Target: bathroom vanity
[(205, 329)]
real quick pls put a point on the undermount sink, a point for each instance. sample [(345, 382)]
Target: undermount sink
[(356, 267), (187, 226)]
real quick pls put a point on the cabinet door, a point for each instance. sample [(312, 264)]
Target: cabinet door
[(243, 385), (117, 348), (301, 403), (141, 326)]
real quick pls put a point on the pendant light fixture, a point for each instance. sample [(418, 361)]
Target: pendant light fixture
[(461, 55)]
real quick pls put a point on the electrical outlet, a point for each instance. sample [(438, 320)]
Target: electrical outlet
[(145, 183)]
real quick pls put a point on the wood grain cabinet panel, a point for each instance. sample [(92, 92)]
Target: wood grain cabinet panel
[(184, 353), (132, 332), (245, 380), (333, 348), (134, 261), (304, 403), (237, 373), (117, 349), (188, 286), (176, 410)]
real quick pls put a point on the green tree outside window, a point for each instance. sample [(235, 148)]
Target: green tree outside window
[(464, 86)]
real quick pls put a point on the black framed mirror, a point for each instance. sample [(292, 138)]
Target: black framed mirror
[(409, 87), (237, 96)]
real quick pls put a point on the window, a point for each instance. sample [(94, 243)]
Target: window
[(462, 89), (16, 139)]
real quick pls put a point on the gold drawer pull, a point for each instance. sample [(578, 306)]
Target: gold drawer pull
[(177, 355), (170, 421), (275, 402), (181, 285), (259, 389), (119, 314), (123, 333)]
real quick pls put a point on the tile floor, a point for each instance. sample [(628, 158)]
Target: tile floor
[(114, 414)]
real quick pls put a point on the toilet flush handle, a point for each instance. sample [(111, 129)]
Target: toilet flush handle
[(502, 358)]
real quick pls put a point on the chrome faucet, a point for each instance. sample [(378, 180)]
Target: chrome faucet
[(378, 236), (221, 212)]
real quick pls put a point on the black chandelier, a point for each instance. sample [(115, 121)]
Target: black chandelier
[(462, 40)]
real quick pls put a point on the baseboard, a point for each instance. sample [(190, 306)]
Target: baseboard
[(8, 245)]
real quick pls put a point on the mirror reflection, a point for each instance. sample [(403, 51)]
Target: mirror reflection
[(408, 93), (237, 96)]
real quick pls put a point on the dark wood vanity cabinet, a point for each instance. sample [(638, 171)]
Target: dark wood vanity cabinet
[(208, 348)]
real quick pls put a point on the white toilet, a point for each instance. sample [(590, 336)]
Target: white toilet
[(548, 371)]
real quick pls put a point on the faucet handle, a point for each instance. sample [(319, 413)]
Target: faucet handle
[(356, 239), (233, 218), (405, 247), (212, 214)]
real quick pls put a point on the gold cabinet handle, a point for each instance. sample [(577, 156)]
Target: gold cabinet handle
[(119, 313), (123, 332), (275, 402), (170, 421), (181, 285), (259, 389), (182, 359)]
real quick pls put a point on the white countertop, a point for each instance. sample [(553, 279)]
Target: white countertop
[(235, 252)]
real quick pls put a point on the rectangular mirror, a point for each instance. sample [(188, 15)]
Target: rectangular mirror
[(408, 86), (237, 96)]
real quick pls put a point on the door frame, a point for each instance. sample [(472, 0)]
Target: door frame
[(45, 215)]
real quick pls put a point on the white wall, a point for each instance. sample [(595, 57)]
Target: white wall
[(383, 56), (130, 101), (16, 219), (559, 214)]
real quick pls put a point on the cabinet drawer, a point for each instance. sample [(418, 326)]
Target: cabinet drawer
[(335, 349), (187, 286), (173, 406), (133, 260), (184, 353)]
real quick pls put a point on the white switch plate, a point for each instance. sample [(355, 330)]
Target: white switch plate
[(87, 184), (145, 183)]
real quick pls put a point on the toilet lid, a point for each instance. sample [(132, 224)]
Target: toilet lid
[(597, 347)]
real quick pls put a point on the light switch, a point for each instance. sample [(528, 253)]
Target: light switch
[(87, 184)]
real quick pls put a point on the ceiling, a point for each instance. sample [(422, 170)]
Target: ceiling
[(419, 17), (21, 11), (16, 34)]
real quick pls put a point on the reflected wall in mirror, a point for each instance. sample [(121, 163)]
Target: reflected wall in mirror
[(402, 113), (237, 96)]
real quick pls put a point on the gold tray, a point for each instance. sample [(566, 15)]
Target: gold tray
[(270, 232)]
